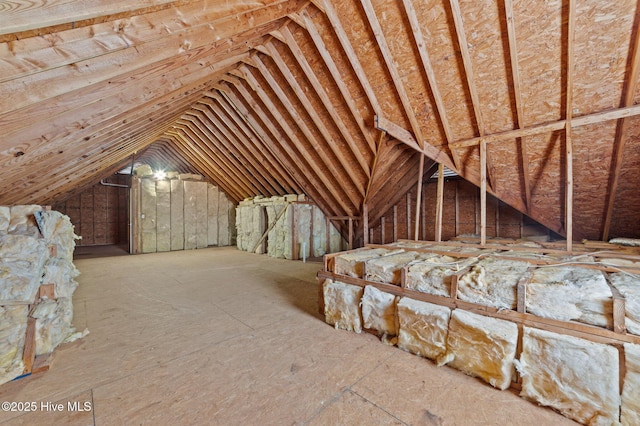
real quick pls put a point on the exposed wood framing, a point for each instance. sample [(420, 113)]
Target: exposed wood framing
[(621, 136), (568, 224), (439, 203)]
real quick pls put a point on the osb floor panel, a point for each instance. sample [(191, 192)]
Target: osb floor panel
[(223, 337)]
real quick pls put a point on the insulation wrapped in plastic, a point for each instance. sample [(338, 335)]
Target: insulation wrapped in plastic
[(58, 230), (629, 286), (493, 282), (630, 412), (482, 347), (62, 274), (379, 311), (13, 326), (570, 293), (578, 378), (22, 258), (433, 274), (342, 305), (422, 327)]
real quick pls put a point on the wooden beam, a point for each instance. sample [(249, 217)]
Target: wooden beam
[(483, 193), (517, 92), (365, 223), (322, 94), (351, 55), (324, 97), (351, 190), (439, 203), (347, 97), (568, 136), (421, 45), (621, 137), (321, 172), (407, 138), (418, 196)]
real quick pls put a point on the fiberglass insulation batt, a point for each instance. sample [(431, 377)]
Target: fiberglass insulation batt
[(570, 293), (577, 377), (21, 261), (13, 326), (629, 287), (387, 269), (630, 413), (492, 282), (350, 264), (342, 305), (482, 347), (433, 274), (422, 327), (379, 311)]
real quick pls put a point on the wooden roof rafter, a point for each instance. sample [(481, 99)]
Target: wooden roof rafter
[(302, 171), (351, 190), (228, 115), (332, 186), (237, 148), (621, 135), (345, 165), (322, 94)]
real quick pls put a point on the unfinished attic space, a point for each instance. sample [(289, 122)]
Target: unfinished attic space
[(320, 212)]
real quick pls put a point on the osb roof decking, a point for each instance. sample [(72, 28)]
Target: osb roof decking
[(272, 97)]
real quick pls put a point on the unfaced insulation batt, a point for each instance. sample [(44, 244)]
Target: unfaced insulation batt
[(350, 264), (13, 326), (433, 274), (21, 260), (5, 218), (342, 305), (62, 274), (58, 231), (570, 293), (492, 282), (630, 412), (577, 377), (379, 311), (53, 323), (482, 347), (629, 287), (422, 327), (23, 220), (387, 269)]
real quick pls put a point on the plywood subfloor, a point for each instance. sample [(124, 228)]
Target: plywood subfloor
[(223, 337)]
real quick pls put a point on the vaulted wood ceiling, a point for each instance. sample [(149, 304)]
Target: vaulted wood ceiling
[(273, 97)]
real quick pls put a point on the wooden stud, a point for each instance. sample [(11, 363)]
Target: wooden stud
[(418, 196), (395, 222), (29, 351), (365, 223), (439, 203), (521, 292), (295, 245), (350, 233), (47, 291), (619, 310), (327, 236), (568, 135), (382, 231), (483, 193)]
